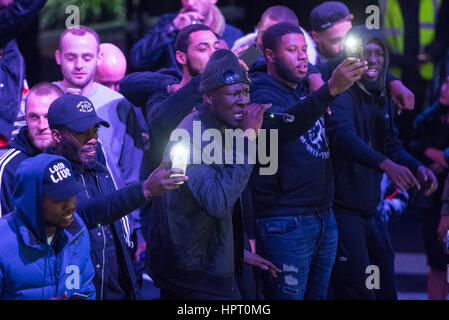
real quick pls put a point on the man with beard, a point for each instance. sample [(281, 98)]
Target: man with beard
[(74, 125), (123, 147), (330, 22), (296, 225), (32, 139), (364, 144), (157, 49)]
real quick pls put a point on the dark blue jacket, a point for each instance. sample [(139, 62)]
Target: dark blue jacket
[(303, 181), (29, 267), (20, 149), (362, 135), (13, 19), (157, 49)]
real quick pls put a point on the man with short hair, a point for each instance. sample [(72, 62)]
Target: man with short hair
[(45, 247), (157, 49), (296, 225), (330, 21), (32, 139), (74, 124), (112, 67)]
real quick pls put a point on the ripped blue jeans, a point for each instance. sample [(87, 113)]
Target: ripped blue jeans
[(304, 248)]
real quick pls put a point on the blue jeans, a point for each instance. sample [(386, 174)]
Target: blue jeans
[(304, 248)]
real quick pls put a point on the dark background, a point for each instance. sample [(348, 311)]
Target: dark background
[(142, 14)]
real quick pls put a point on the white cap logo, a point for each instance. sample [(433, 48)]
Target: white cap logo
[(59, 172), (85, 106)]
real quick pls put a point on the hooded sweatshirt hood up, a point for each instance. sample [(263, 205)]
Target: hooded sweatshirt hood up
[(27, 196), (366, 36)]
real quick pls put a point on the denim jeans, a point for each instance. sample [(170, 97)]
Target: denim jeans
[(304, 248), (363, 242)]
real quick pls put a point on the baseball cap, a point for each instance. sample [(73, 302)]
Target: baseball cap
[(58, 182), (327, 14), (75, 112)]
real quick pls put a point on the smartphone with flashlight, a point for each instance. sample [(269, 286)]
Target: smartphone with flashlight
[(354, 48), (250, 55), (179, 156)]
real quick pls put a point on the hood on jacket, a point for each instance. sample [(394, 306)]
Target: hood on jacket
[(366, 36), (27, 196), (268, 83), (22, 142)]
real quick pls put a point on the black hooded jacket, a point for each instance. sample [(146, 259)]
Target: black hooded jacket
[(362, 135)]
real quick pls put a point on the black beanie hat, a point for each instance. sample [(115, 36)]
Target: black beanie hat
[(223, 69)]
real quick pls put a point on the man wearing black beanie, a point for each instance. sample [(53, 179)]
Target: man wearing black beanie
[(196, 237)]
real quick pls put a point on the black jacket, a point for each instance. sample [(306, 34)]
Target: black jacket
[(303, 180), (157, 49), (362, 134)]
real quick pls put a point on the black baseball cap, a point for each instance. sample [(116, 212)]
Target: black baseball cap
[(58, 181), (327, 14), (75, 112)]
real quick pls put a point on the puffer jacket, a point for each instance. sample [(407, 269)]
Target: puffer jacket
[(30, 268)]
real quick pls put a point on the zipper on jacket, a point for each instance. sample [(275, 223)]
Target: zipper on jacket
[(103, 256)]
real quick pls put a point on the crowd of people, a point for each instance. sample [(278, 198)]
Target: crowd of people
[(90, 190)]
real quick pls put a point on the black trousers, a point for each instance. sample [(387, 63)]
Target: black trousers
[(362, 243), (187, 294)]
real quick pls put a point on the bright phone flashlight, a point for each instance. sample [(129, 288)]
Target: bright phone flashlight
[(179, 156), (353, 47)]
